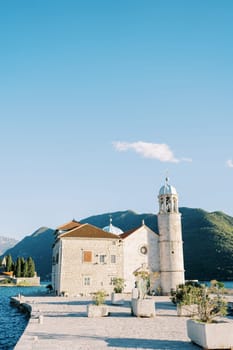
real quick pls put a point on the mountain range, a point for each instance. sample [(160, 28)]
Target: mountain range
[(6, 243), (208, 241), (39, 247)]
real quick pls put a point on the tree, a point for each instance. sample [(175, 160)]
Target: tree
[(24, 268), (31, 267), (9, 263), (17, 269)]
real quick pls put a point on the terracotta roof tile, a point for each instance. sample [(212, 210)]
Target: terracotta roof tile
[(88, 231), (69, 226)]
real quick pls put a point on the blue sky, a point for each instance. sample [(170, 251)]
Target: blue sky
[(100, 100)]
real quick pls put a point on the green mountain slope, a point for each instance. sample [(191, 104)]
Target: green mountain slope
[(208, 241), (39, 247), (126, 220), (208, 244)]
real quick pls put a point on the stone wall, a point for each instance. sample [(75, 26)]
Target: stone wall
[(73, 275), (32, 281)]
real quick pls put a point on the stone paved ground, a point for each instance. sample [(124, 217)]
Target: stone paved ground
[(65, 326)]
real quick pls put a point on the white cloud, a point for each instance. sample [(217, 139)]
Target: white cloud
[(230, 163), (161, 151)]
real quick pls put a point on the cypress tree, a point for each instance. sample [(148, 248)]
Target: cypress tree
[(18, 267), (31, 267), (9, 263), (22, 265), (24, 268)]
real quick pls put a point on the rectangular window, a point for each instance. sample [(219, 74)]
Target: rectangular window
[(87, 281), (112, 279), (102, 258), (87, 256), (113, 259)]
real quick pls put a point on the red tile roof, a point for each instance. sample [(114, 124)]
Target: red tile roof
[(87, 231), (69, 225)]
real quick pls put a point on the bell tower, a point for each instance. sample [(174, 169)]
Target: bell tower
[(170, 239)]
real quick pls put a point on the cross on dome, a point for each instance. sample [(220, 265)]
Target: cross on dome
[(111, 228), (167, 188)]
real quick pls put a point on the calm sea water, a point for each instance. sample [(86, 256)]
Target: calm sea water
[(13, 322), (228, 285)]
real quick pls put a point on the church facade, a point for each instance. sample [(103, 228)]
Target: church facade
[(87, 259)]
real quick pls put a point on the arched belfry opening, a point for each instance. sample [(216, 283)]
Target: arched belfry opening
[(168, 199)]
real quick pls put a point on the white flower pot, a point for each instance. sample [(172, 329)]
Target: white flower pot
[(217, 335), (143, 307), (97, 310), (117, 298)]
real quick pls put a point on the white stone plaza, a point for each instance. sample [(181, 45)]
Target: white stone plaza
[(62, 323)]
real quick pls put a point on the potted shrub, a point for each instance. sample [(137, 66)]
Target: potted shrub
[(117, 296), (98, 308), (208, 329), (142, 305), (186, 297)]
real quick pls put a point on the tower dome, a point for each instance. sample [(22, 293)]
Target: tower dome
[(168, 199), (167, 189), (112, 229)]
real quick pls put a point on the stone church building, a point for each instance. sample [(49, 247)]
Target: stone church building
[(87, 259)]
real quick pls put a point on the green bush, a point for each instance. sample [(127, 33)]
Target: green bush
[(118, 283), (209, 308), (6, 281), (99, 297), (186, 294)]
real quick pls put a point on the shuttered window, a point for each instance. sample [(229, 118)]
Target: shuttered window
[(102, 258), (87, 256)]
